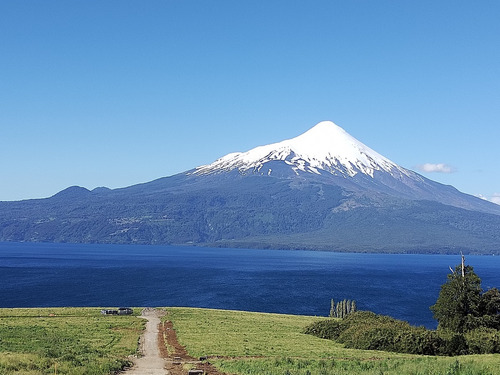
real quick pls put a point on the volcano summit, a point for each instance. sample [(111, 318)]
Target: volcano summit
[(326, 147), (329, 151), (322, 190)]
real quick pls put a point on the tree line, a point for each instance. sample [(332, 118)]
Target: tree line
[(342, 308)]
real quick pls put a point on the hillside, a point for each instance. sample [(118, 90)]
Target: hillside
[(66, 340), (323, 190), (253, 343), (82, 341)]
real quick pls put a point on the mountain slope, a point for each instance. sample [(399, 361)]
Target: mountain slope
[(329, 151), (322, 190)]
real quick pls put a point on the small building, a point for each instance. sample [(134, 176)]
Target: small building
[(125, 311), (120, 311), (109, 312)]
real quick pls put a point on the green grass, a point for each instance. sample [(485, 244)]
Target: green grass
[(271, 344), (65, 341), (81, 341)]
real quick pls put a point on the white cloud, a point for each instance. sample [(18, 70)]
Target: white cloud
[(436, 168), (495, 198)]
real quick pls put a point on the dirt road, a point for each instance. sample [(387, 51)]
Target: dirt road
[(156, 360), (151, 363)]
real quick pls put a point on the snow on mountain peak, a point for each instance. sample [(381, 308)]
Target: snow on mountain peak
[(325, 147)]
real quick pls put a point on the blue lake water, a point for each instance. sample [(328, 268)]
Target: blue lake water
[(292, 282)]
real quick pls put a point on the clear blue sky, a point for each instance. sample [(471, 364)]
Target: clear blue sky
[(114, 93)]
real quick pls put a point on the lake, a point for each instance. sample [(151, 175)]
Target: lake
[(279, 281)]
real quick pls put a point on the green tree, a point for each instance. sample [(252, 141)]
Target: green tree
[(342, 308), (332, 309), (457, 307), (489, 309)]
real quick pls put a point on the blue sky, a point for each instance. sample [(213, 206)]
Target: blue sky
[(114, 93)]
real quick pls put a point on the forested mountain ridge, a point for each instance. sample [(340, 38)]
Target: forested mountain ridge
[(323, 190)]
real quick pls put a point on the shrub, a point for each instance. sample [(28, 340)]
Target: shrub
[(325, 329), (483, 340), (428, 343), (454, 344), (369, 331)]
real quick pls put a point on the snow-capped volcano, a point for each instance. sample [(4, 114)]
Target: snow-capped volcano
[(325, 147), (322, 190), (328, 152)]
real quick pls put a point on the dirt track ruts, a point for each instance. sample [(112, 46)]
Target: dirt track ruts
[(156, 359)]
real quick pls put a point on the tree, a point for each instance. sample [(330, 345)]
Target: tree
[(342, 308), (332, 309), (462, 307), (489, 309), (457, 307)]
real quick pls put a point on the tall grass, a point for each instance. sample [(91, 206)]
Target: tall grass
[(416, 366), (271, 344), (65, 341), (81, 341)]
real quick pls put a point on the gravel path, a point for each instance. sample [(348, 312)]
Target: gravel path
[(156, 360), (151, 363)]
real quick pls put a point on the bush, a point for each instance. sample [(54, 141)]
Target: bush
[(454, 344), (483, 340), (428, 343), (326, 329), (369, 331)]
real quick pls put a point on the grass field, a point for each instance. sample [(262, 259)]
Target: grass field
[(81, 341), (65, 341), (270, 344)]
